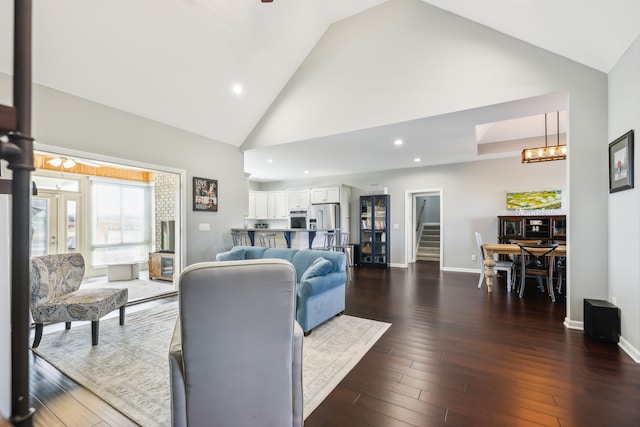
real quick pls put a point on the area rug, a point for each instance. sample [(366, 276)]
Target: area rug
[(129, 368), (140, 290)]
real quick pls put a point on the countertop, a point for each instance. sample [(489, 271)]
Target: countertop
[(278, 229)]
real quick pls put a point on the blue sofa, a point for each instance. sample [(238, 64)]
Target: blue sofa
[(321, 285)]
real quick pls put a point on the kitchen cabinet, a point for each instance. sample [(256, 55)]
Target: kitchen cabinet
[(258, 205), (277, 205), (374, 230), (299, 199), (325, 195)]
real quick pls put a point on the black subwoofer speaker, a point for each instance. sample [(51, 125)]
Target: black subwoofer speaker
[(601, 320)]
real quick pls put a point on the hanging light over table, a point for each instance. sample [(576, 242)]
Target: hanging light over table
[(546, 153)]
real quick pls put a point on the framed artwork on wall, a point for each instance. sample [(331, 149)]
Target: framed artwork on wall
[(205, 194), (621, 163)]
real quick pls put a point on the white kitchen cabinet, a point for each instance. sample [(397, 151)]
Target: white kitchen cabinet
[(299, 199), (258, 205), (325, 195), (277, 205)]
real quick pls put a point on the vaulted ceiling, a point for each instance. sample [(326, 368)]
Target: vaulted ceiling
[(178, 61)]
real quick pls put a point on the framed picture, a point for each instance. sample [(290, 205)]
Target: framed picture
[(205, 194), (621, 163), (544, 199)]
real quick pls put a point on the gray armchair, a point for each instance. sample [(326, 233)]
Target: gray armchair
[(236, 352), (56, 297)]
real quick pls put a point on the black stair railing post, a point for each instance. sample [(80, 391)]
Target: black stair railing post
[(20, 160)]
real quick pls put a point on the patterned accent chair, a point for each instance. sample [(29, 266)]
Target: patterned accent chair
[(56, 297)]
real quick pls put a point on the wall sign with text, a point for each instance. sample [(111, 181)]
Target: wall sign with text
[(205, 194)]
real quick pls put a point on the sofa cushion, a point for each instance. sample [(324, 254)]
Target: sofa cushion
[(304, 258), (281, 253), (234, 254), (320, 267)]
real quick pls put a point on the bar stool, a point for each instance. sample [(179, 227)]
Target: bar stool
[(240, 238), (329, 239), (267, 240), (347, 248)]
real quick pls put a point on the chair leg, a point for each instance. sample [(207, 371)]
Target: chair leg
[(481, 278), (67, 325), (122, 315), (508, 280), (522, 280), (550, 287), (94, 331), (38, 337)]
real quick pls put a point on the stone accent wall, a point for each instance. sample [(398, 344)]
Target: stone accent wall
[(166, 185)]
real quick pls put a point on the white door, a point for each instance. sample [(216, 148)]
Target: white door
[(55, 223)]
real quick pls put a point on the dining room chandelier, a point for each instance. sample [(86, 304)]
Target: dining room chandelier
[(546, 153)]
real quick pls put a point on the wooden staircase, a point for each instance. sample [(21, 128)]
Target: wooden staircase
[(429, 246)]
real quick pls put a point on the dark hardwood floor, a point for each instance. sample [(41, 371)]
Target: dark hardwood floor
[(454, 356)]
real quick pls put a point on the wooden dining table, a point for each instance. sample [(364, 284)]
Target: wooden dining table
[(509, 249)]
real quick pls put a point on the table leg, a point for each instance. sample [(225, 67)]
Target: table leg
[(489, 273)]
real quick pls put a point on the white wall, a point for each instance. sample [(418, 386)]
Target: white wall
[(62, 120), (5, 314), (624, 206)]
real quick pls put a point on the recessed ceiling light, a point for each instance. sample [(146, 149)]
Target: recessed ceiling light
[(269, 160), (306, 171), (237, 88), (417, 159), (397, 142)]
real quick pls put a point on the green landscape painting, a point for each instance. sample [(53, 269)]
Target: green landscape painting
[(550, 199)]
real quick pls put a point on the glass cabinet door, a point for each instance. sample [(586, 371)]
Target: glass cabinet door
[(374, 222)]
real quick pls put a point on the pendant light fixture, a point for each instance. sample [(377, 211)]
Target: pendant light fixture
[(546, 153)]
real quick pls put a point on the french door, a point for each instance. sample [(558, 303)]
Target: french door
[(55, 218)]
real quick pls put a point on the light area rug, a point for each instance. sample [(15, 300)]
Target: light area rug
[(129, 368), (139, 289)]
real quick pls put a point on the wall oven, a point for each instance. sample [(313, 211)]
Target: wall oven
[(298, 218)]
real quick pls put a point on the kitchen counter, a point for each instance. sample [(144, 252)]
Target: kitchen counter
[(295, 237)]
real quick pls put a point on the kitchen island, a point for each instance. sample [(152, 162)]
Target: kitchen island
[(296, 238)]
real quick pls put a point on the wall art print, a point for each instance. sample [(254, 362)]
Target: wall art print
[(621, 163), (205, 194), (546, 199)]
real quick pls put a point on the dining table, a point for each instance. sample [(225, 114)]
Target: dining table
[(509, 249)]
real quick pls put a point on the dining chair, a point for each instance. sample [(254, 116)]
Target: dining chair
[(516, 258), (537, 261), (506, 266)]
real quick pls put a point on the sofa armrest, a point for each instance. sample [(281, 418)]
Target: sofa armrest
[(176, 376), (319, 284)]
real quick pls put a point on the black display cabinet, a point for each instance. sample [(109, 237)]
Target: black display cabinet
[(374, 230)]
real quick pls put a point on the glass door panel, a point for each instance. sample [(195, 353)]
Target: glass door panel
[(41, 226)]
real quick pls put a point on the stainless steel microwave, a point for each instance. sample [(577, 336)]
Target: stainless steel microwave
[(298, 219)]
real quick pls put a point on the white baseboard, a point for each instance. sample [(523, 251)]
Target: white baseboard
[(393, 264), (625, 345), (462, 270), (633, 352), (573, 324)]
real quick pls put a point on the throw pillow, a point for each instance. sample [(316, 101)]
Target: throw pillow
[(232, 255), (320, 267)]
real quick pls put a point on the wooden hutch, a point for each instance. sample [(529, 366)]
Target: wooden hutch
[(546, 228)]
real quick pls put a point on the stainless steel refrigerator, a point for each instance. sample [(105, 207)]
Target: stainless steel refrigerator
[(327, 216)]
